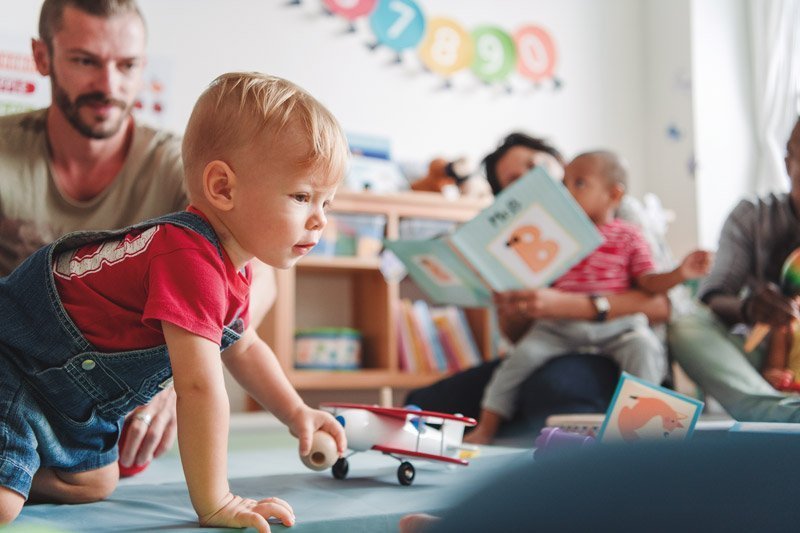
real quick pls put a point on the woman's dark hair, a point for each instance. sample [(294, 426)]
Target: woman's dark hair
[(512, 140)]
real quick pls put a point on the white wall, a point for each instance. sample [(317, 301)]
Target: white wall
[(668, 118), (600, 104), (723, 113)]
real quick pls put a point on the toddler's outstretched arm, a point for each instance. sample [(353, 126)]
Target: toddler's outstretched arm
[(203, 423), (695, 265), (254, 365)]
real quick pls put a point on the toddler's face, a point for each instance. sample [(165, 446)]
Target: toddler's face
[(280, 203), (584, 179)]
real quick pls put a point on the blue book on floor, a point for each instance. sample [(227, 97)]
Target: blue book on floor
[(532, 233)]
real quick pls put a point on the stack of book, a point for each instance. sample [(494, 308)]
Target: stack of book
[(435, 339)]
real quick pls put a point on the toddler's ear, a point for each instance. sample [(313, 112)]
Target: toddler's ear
[(617, 192), (219, 184)]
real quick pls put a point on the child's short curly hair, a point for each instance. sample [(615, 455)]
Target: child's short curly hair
[(241, 108)]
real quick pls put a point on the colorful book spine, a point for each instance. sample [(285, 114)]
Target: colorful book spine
[(404, 345), (422, 358), (423, 314)]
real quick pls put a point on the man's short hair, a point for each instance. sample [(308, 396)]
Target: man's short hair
[(515, 139), (51, 16), (239, 108)]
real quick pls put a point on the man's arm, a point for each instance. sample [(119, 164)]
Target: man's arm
[(517, 310)]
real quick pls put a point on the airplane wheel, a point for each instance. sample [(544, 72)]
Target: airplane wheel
[(340, 468), (405, 473)]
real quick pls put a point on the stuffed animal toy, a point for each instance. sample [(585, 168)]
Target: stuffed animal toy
[(449, 177)]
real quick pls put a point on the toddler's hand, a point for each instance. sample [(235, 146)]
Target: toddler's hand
[(305, 421), (244, 512), (697, 264)]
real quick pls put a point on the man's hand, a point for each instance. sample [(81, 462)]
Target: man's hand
[(151, 430), (766, 305)]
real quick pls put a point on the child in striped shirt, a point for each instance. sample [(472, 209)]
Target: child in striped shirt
[(597, 181)]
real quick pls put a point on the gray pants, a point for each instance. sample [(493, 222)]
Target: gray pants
[(715, 360), (628, 340)]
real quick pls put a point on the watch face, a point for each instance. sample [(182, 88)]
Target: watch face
[(602, 305)]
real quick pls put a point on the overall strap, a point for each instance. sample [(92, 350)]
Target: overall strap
[(71, 241), (184, 219)]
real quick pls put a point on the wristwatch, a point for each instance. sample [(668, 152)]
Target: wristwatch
[(601, 306)]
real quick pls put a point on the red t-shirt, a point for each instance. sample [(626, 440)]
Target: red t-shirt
[(612, 267), (117, 292)]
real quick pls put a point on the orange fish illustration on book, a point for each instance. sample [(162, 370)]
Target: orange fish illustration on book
[(536, 252), (634, 418)]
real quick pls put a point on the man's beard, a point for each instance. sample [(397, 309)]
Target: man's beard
[(71, 111)]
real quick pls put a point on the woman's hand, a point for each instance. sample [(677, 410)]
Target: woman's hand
[(530, 304)]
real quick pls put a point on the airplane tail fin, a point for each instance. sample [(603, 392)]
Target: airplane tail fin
[(453, 432)]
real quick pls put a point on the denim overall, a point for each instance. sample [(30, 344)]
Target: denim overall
[(62, 402)]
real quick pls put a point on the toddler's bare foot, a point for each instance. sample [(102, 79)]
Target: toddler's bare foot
[(416, 523)]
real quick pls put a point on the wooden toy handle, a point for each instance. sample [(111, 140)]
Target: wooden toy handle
[(323, 452), (755, 337)]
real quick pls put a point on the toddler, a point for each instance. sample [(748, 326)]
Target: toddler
[(597, 181), (97, 323)]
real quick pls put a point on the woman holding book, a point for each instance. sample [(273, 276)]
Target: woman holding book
[(568, 384)]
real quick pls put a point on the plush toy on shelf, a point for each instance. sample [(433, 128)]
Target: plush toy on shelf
[(453, 179)]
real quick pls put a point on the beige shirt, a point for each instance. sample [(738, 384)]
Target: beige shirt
[(33, 211)]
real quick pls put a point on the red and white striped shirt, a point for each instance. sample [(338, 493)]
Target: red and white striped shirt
[(614, 265)]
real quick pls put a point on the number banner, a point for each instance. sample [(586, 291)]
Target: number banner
[(447, 47), (398, 24), (536, 53), (350, 9), (495, 54)]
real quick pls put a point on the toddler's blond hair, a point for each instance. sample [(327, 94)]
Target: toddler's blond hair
[(241, 108)]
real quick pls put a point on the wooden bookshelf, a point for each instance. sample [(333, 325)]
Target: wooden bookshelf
[(371, 302)]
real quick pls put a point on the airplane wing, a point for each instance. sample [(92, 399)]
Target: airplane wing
[(402, 414), (421, 455)]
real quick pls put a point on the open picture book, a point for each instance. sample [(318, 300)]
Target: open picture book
[(532, 233)]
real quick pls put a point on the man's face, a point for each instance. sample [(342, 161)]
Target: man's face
[(95, 67), (792, 159)]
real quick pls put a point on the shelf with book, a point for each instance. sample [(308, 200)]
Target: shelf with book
[(335, 291)]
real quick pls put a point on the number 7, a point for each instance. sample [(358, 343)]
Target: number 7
[(405, 16)]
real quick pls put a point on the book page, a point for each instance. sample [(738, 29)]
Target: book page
[(532, 233), (440, 272)]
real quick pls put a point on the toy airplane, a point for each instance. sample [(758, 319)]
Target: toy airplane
[(401, 433)]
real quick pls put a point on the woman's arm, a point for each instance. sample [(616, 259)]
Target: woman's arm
[(516, 310)]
